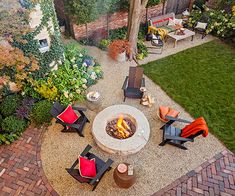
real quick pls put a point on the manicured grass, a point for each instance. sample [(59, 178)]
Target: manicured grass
[(202, 80)]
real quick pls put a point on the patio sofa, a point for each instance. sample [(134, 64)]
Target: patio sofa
[(161, 22)]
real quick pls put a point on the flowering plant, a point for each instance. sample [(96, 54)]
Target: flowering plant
[(69, 82), (219, 23)]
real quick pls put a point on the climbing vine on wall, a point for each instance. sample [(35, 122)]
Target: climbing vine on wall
[(30, 46)]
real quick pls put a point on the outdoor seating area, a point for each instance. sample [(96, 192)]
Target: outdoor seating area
[(117, 98)]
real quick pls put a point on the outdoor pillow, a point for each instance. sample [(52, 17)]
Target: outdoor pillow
[(201, 25), (171, 22), (197, 125), (166, 111), (68, 116), (174, 22), (87, 168), (178, 21)]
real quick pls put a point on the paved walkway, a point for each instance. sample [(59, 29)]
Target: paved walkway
[(21, 170), (213, 177)]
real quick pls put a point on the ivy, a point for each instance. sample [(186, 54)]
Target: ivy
[(30, 46)]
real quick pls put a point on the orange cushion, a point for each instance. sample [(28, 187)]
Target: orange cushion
[(87, 168), (166, 111), (163, 110), (197, 125)]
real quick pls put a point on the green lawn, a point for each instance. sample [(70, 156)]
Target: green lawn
[(202, 80)]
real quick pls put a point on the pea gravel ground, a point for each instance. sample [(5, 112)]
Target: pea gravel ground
[(156, 166)]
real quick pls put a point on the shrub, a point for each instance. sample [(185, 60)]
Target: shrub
[(142, 50), (41, 112), (104, 43), (118, 47), (1, 119), (220, 23), (69, 82), (10, 104), (8, 138), (12, 124)]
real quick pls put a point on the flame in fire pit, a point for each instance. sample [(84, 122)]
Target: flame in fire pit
[(123, 127)]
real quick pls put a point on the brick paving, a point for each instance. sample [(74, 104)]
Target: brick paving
[(214, 177), (21, 170)]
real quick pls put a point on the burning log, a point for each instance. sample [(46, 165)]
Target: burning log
[(121, 128)]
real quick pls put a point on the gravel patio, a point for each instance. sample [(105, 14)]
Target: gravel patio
[(156, 166)]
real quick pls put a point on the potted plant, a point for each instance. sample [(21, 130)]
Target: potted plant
[(119, 49)]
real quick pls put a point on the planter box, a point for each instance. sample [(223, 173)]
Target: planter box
[(121, 57)]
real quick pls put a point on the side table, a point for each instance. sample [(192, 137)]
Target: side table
[(123, 180), (93, 104)]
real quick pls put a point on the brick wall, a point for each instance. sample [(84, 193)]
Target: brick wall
[(98, 28)]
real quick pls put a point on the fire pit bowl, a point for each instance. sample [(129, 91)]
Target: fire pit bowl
[(130, 121)]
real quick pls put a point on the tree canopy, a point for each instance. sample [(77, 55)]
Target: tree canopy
[(83, 11)]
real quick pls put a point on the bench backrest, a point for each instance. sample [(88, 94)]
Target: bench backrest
[(161, 20)]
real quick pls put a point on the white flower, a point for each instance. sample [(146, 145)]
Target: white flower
[(84, 86), (84, 80), (73, 60), (84, 64), (78, 91), (80, 55), (75, 66), (70, 95), (66, 94)]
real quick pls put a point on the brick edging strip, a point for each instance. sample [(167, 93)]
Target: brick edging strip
[(220, 163)]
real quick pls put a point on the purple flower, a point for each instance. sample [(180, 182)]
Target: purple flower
[(23, 112)]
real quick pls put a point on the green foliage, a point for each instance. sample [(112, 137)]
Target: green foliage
[(12, 124), (104, 43), (30, 46), (83, 11), (7, 138), (69, 82), (1, 118), (10, 104), (203, 84), (220, 23), (142, 50), (119, 33), (41, 112), (153, 3)]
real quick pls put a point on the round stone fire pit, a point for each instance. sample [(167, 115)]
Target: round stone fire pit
[(111, 143)]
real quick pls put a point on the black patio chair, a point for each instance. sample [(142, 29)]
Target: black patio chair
[(157, 43), (101, 167), (77, 126), (202, 31), (133, 83), (173, 135)]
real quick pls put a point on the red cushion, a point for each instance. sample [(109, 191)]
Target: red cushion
[(198, 125), (87, 167), (162, 20), (68, 115)]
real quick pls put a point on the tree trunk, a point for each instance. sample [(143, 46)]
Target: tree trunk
[(191, 5), (134, 19)]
